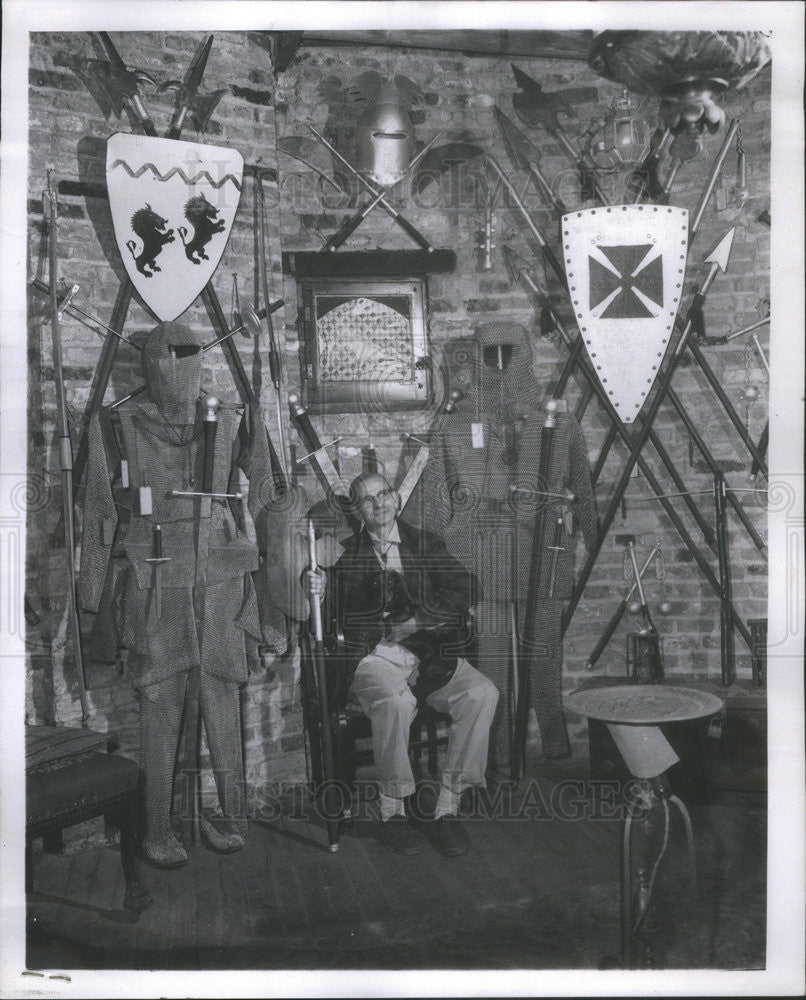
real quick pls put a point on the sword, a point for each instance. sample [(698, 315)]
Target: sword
[(124, 85), (324, 707), (420, 460), (275, 357), (534, 595), (158, 559), (726, 638), (555, 548), (404, 224), (328, 473)]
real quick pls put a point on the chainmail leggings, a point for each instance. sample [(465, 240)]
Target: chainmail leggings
[(161, 708)]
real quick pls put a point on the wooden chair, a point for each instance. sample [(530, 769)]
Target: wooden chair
[(335, 726)]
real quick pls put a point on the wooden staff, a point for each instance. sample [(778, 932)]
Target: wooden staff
[(275, 357), (65, 446)]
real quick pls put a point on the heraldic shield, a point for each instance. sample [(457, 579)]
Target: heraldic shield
[(625, 267), (173, 204)]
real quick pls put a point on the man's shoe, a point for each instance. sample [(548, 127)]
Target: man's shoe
[(397, 836), (219, 840), (165, 853), (448, 836)]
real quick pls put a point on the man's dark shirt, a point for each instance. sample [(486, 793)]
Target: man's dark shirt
[(365, 602)]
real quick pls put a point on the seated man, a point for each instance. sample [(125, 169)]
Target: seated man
[(401, 602)]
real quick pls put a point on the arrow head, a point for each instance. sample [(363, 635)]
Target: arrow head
[(721, 252)]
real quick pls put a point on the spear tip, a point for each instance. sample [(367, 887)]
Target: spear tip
[(720, 255), (512, 263)]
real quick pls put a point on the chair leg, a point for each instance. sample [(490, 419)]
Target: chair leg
[(137, 898), (345, 778), (431, 732)]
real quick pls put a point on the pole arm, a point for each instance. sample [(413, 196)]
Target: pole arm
[(65, 445), (533, 227)]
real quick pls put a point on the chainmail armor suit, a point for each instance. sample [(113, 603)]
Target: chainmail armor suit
[(162, 441), (489, 444)]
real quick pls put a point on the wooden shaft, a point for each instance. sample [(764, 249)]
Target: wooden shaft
[(726, 641), (527, 218), (533, 597), (65, 449), (713, 176)]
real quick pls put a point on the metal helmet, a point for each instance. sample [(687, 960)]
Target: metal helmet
[(385, 137), (172, 365)]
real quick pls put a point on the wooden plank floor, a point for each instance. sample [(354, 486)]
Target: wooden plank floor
[(537, 891)]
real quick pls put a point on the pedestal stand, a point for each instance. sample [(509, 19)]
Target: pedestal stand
[(634, 714)]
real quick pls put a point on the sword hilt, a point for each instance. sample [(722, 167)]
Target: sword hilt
[(212, 404)]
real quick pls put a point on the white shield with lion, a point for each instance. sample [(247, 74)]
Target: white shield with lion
[(173, 204)]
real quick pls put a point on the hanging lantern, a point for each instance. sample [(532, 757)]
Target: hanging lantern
[(688, 70), (626, 132)]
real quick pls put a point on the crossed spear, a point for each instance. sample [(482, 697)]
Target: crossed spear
[(717, 261)]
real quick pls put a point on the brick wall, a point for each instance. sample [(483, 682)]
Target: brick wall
[(68, 130)]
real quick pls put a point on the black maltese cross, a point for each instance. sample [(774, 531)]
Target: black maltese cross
[(626, 285)]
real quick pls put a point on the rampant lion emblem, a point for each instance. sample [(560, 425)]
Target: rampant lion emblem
[(201, 214), (150, 227)]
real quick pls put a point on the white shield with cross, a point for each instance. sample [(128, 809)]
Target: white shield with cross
[(625, 266), (173, 204)]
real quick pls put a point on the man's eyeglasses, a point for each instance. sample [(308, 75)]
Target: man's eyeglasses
[(368, 502)]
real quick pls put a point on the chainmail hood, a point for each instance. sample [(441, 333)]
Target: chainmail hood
[(172, 364), (498, 380)]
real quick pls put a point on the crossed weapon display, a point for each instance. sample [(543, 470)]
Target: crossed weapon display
[(527, 157), (122, 84), (578, 364)]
